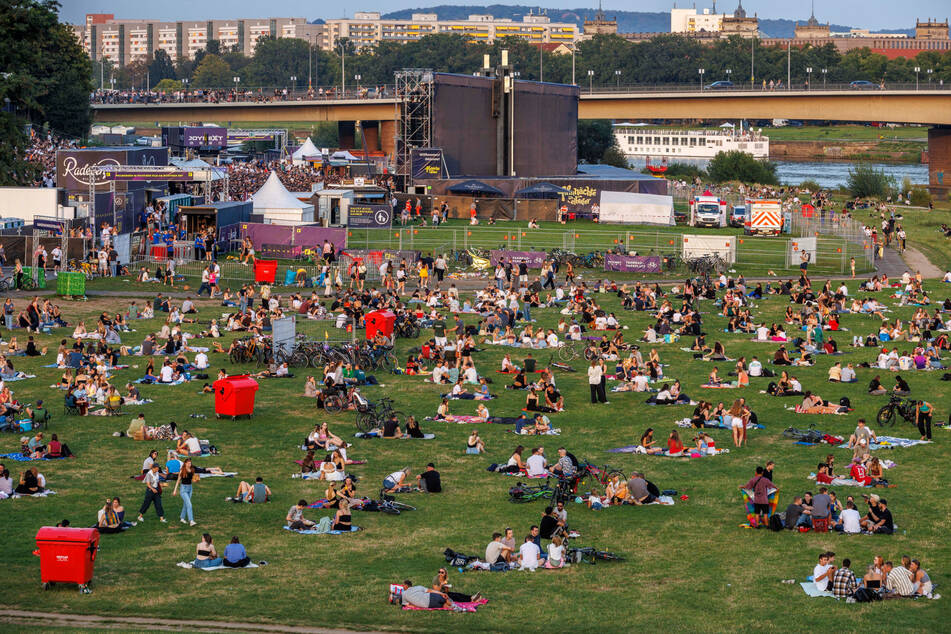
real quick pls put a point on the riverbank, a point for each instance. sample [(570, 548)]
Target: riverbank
[(879, 151)]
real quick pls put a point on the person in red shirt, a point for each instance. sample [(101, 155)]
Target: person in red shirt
[(859, 473), (674, 446), (823, 476)]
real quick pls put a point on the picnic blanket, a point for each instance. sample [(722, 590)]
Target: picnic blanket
[(459, 418), (373, 434), (890, 442), (688, 453), (719, 386), (41, 494), (314, 531), (460, 606), (188, 564), (529, 431), (20, 377), (809, 587), (841, 482), (143, 380), (19, 457)]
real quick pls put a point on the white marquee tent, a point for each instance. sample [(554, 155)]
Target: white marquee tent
[(308, 149), (279, 206), (646, 209)]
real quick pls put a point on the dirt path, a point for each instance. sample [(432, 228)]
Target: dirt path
[(918, 262), (47, 620)]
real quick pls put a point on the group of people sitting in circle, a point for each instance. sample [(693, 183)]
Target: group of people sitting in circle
[(907, 580)]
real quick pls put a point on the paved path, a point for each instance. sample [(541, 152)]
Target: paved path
[(918, 262), (47, 620)]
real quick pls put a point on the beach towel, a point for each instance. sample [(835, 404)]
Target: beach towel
[(373, 434), (890, 442), (223, 474), (459, 418), (188, 564), (315, 531), (460, 606), (525, 432), (719, 386), (841, 482), (19, 457), (20, 377), (143, 380), (41, 494)]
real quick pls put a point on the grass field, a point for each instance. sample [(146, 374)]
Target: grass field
[(689, 567)]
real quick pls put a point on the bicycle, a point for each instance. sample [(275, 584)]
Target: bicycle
[(523, 493), (372, 415), (811, 435), (590, 555), (388, 504), (571, 350), (588, 474), (906, 408)]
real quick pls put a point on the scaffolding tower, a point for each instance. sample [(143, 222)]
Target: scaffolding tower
[(414, 117)]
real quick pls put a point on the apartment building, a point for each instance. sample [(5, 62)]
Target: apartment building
[(124, 41), (368, 28)]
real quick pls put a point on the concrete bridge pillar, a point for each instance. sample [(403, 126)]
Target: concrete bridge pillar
[(346, 132), (371, 135), (939, 161), (388, 138)]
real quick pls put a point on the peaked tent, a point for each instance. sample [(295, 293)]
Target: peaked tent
[(279, 206), (475, 188), (541, 190), (308, 149)]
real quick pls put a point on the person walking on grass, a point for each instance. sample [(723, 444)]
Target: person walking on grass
[(153, 493), (186, 477)]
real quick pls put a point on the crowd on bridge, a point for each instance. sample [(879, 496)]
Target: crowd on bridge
[(231, 95)]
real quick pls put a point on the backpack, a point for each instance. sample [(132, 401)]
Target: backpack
[(499, 566), (845, 402), (771, 388), (775, 522), (864, 595)]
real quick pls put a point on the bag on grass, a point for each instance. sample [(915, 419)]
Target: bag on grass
[(775, 522), (864, 595)]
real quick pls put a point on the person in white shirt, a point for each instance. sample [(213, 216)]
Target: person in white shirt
[(822, 573), (194, 447), (849, 520), (552, 339), (640, 382), (947, 277), (795, 385), (528, 554), (201, 361), (471, 375), (166, 374), (762, 333), (756, 368), (848, 374), (536, 463), (595, 375)]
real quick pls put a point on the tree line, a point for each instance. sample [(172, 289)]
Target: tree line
[(611, 60)]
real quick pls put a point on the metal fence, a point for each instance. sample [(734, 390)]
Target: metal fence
[(233, 273)]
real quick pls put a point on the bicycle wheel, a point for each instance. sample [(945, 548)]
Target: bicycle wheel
[(403, 507), (400, 416), (237, 355), (591, 354), (386, 361), (413, 331), (389, 509), (618, 473), (566, 353), (585, 484), (604, 555), (299, 359), (333, 404), (366, 421), (886, 415)]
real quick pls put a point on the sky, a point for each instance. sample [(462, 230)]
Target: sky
[(870, 14)]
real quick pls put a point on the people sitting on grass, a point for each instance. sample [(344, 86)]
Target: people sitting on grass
[(879, 518), (257, 493), (108, 519), (235, 554), (647, 442), (395, 481), (206, 555), (295, 517), (31, 482)]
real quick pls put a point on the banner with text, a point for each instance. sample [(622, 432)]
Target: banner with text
[(427, 163), (369, 216), (532, 259), (632, 263)]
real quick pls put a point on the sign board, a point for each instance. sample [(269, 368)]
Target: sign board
[(283, 334), (359, 181), (427, 163), (532, 259), (695, 246), (250, 135), (49, 224), (369, 216), (632, 263), (116, 173)]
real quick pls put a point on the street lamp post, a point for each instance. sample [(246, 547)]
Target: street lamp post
[(294, 82), (930, 70), (917, 70), (185, 83), (729, 74), (236, 80), (112, 81), (310, 59), (574, 47), (357, 79), (824, 71), (590, 81), (700, 72), (808, 77), (343, 70), (617, 76)]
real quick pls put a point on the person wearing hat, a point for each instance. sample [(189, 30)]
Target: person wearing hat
[(860, 440)]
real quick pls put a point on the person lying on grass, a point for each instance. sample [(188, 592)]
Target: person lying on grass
[(257, 493)]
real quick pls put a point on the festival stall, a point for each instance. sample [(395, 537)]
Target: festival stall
[(279, 206)]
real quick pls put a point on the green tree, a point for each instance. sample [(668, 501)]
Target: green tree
[(168, 85), (276, 60), (614, 156), (64, 71), (741, 166), (161, 67), (594, 138), (867, 182), (212, 72)]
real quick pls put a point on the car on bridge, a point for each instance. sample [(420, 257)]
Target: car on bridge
[(863, 84), (720, 85)]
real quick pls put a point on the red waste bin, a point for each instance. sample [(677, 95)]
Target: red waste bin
[(67, 555), (265, 271), (234, 396), (380, 321)]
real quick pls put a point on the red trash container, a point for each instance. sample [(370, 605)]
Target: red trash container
[(234, 396), (67, 555), (265, 271), (380, 321)]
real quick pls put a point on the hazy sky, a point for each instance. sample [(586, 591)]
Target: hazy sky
[(873, 14)]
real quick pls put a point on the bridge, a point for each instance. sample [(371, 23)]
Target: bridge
[(930, 106)]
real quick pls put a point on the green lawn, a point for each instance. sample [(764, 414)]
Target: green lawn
[(689, 567)]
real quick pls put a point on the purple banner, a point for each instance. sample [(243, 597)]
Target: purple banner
[(632, 263), (307, 236), (205, 137), (532, 259), (178, 176)]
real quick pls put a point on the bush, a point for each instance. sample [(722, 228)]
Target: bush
[(811, 185), (683, 171), (920, 196), (614, 156), (867, 182), (741, 166)]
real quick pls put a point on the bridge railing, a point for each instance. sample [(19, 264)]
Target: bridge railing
[(228, 94), (745, 87)]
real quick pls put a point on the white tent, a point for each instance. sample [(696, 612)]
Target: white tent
[(645, 209), (279, 206), (308, 149)]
